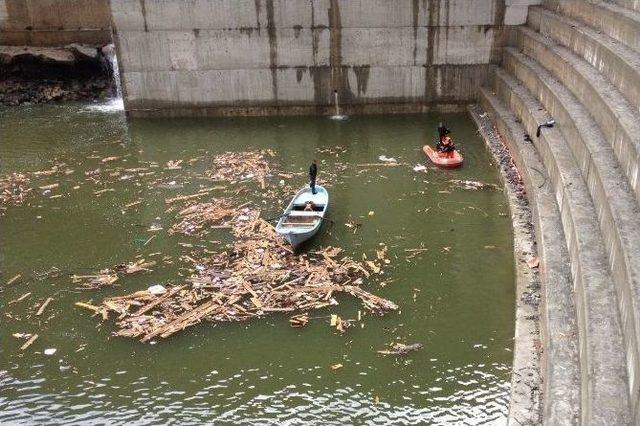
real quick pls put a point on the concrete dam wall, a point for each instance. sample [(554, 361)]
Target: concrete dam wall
[(260, 57), (54, 22)]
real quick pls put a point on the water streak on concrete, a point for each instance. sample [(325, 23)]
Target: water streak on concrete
[(273, 49)]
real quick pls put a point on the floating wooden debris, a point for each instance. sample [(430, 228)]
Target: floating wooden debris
[(20, 299), (241, 166), (401, 349), (258, 276), (108, 277), (44, 306), (29, 342), (105, 278), (139, 265), (199, 194), (14, 189), (174, 164), (299, 320), (195, 217), (14, 279), (472, 184)]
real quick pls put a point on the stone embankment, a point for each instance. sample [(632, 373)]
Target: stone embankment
[(578, 63), (45, 74)]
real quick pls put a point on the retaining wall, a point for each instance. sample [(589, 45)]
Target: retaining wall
[(255, 57), (54, 22)]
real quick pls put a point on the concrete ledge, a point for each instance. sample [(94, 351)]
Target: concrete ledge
[(270, 110), (560, 363), (617, 119), (98, 37), (617, 62), (619, 23), (617, 212), (630, 4), (604, 385)]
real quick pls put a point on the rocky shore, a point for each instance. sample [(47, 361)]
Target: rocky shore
[(30, 75)]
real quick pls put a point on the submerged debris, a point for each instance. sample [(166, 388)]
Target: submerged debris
[(258, 276)]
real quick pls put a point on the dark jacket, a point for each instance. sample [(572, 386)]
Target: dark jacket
[(443, 131), (313, 171)]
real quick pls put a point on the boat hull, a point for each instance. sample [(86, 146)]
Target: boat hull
[(442, 160), (296, 239), (297, 226)]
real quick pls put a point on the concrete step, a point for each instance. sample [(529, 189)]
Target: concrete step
[(620, 64), (618, 120), (629, 4), (602, 346), (561, 363), (623, 24), (617, 210)]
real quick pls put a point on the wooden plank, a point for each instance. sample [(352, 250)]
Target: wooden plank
[(44, 306), (29, 342)]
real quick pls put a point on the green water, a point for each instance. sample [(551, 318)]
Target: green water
[(456, 298)]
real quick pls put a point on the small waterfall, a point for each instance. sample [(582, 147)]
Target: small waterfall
[(337, 115), (116, 103), (115, 70)]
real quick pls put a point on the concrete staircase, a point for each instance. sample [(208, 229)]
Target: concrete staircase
[(578, 62)]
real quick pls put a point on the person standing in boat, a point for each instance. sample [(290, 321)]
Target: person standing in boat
[(442, 132), (443, 145), (313, 174)]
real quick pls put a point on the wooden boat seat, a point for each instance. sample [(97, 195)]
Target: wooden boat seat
[(302, 214), (298, 225), (300, 220)]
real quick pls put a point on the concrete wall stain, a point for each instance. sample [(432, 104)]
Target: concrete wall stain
[(362, 77), (339, 72), (273, 49), (415, 9), (299, 73), (430, 76), (257, 6), (447, 10), (248, 31), (143, 10), (499, 33)]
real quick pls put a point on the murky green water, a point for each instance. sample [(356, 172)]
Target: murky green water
[(456, 297)]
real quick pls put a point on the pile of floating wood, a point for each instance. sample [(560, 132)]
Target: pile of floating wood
[(196, 216), (108, 277), (241, 166), (14, 188), (258, 276)]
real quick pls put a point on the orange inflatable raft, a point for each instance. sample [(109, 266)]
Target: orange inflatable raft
[(442, 159)]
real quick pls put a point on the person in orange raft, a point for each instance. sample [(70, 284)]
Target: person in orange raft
[(446, 147)]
